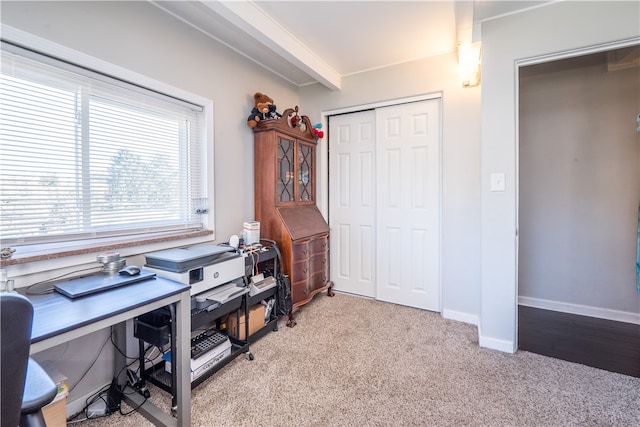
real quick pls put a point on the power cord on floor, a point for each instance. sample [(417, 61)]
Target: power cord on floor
[(111, 395)]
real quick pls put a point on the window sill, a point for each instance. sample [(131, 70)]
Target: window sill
[(44, 253)]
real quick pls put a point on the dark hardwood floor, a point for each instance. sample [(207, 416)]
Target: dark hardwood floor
[(605, 344)]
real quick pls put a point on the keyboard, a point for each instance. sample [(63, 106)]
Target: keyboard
[(208, 340)]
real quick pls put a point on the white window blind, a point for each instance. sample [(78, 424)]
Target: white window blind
[(86, 155)]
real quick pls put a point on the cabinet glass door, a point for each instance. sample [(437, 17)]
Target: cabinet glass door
[(285, 178), (305, 171)]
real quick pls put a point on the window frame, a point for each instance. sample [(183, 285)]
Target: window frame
[(27, 253)]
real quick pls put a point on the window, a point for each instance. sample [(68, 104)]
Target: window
[(85, 155)]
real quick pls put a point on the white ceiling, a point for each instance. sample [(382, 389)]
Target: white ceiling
[(321, 41)]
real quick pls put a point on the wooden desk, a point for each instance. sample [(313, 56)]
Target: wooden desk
[(58, 319)]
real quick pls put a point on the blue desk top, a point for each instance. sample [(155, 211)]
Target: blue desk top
[(55, 314)]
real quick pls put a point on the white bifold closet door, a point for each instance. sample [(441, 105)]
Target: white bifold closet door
[(384, 203)]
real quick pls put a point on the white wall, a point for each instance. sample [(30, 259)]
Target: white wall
[(140, 37), (560, 27), (460, 161)]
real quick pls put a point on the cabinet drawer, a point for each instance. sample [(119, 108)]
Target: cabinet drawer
[(299, 291), (319, 244), (317, 280), (300, 271), (300, 250), (319, 263)]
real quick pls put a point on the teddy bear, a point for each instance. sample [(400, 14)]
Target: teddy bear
[(263, 109)]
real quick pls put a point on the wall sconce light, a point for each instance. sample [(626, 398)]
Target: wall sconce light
[(469, 63)]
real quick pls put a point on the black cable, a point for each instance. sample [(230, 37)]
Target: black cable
[(97, 397), (254, 262), (278, 255), (100, 395), (92, 363), (88, 402), (134, 409), (49, 290), (122, 352)]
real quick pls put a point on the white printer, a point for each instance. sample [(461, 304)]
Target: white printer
[(204, 267)]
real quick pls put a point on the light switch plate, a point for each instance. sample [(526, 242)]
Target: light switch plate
[(497, 182)]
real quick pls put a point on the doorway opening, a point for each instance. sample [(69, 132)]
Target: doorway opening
[(578, 197)]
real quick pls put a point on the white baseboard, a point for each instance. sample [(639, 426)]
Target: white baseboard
[(459, 316), (582, 310), (496, 344), (487, 342)]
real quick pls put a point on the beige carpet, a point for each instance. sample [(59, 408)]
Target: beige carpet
[(357, 362)]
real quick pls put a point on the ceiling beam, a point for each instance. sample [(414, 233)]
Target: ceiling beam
[(252, 20), (467, 31)]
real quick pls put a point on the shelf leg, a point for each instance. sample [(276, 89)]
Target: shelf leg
[(174, 365)]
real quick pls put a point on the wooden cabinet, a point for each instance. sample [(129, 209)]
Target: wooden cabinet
[(285, 192)]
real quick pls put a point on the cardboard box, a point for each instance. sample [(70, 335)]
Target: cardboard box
[(55, 413), (256, 321)]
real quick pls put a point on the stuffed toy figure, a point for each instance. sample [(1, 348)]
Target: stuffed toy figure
[(263, 109)]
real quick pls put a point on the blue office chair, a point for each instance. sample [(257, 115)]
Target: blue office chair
[(25, 388)]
